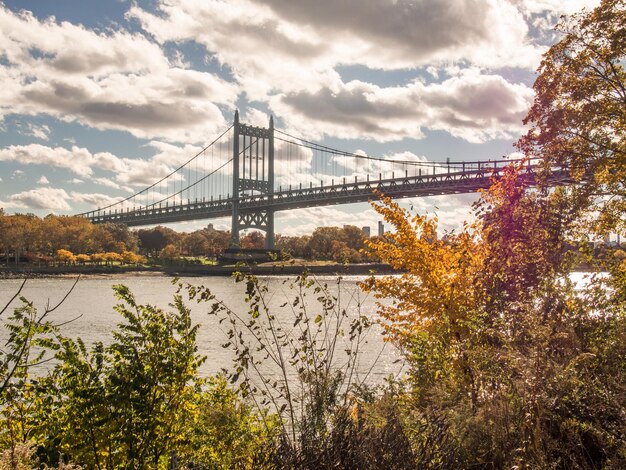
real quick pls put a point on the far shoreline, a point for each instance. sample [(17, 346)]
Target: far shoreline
[(266, 269)]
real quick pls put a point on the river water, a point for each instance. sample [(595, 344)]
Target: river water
[(88, 312)]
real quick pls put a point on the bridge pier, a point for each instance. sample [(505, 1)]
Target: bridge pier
[(270, 241), (253, 172)]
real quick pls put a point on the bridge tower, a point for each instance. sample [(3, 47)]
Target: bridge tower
[(253, 172)]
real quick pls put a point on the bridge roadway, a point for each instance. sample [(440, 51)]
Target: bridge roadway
[(453, 182)]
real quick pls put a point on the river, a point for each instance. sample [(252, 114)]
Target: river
[(88, 312)]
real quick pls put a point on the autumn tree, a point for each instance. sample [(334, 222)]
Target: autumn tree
[(19, 233), (253, 240), (153, 240), (128, 257), (99, 240), (524, 234), (121, 234), (218, 240), (112, 257), (51, 226), (320, 244), (195, 243), (169, 253), (340, 244), (526, 369), (353, 237), (73, 234), (436, 298), (82, 259), (97, 258), (65, 257), (295, 246), (578, 118)]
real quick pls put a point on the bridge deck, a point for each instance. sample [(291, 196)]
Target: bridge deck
[(455, 182)]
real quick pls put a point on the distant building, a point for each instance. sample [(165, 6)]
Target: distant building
[(366, 231), (381, 229)]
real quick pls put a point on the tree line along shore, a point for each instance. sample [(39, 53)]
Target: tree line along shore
[(67, 240), (73, 244)]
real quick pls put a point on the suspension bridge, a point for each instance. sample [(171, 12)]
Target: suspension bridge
[(249, 173)]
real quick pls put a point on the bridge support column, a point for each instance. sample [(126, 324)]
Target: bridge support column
[(253, 174), (234, 231), (270, 241)]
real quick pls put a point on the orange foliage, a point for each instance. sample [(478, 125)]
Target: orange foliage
[(438, 287), (446, 284)]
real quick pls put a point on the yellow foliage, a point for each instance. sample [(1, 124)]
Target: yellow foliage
[(128, 257), (97, 258), (111, 257), (438, 287), (447, 284), (65, 256), (82, 259)]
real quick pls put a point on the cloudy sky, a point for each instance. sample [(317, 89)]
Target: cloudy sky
[(100, 98)]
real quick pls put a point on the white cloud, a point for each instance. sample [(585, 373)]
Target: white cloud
[(405, 33), (143, 172), (308, 38), (57, 200), (176, 104), (285, 47), (109, 80), (79, 160), (74, 50), (555, 7), (50, 199), (111, 184), (173, 155), (43, 180), (8, 204), (170, 156), (471, 106), (255, 117), (282, 53), (38, 132), (94, 200)]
